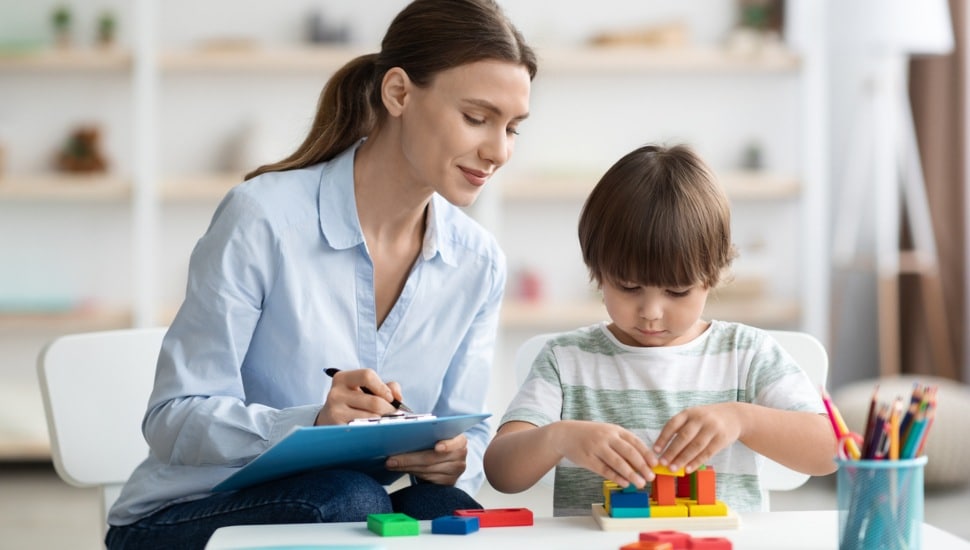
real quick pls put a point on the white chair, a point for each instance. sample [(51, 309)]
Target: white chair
[(804, 348), (95, 388)]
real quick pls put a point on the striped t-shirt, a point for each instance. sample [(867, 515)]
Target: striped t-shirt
[(587, 374)]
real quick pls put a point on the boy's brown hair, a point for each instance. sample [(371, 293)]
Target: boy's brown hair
[(658, 217)]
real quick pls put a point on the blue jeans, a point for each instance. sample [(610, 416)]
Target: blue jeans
[(314, 497)]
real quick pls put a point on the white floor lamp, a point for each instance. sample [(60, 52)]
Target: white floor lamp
[(884, 172)]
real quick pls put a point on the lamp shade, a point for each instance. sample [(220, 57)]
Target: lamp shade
[(911, 26)]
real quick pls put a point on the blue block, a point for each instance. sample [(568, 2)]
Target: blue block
[(454, 525), (621, 499)]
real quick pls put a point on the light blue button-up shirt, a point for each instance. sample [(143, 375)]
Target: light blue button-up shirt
[(281, 286)]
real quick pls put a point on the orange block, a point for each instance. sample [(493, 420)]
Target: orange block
[(703, 486), (663, 490)]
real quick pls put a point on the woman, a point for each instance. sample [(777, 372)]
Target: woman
[(351, 253)]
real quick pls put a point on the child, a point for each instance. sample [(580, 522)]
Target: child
[(658, 384)]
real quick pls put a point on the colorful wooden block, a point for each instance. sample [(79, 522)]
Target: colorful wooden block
[(703, 486), (687, 524), (679, 539), (664, 490), (684, 484), (647, 545), (454, 525), (608, 487), (717, 509), (630, 512), (392, 525), (674, 511), (623, 499), (664, 471), (499, 517), (710, 543)]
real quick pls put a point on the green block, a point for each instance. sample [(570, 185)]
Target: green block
[(392, 525)]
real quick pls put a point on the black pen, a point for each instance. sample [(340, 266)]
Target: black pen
[(396, 404)]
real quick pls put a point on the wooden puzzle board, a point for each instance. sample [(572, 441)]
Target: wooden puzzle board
[(607, 523)]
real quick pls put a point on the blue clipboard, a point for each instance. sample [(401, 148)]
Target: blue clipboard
[(355, 447)]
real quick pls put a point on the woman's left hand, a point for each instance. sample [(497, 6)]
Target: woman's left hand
[(442, 465)]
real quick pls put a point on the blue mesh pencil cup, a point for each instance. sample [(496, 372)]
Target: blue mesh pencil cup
[(880, 504)]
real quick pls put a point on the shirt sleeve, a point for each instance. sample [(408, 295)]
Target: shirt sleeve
[(465, 385), (539, 400), (775, 380), (197, 413)]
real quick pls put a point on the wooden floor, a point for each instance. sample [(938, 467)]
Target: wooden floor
[(39, 511)]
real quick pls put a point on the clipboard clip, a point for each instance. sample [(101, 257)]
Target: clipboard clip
[(390, 418)]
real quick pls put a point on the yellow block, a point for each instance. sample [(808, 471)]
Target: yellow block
[(716, 509), (664, 471), (675, 511)]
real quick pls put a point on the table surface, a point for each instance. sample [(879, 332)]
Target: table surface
[(759, 530)]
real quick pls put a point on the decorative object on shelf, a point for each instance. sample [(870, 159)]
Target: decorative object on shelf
[(758, 32), (248, 147), (82, 151), (107, 28), (319, 31), (753, 157), (61, 19), (667, 35), (528, 286)]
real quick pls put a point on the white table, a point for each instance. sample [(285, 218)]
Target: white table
[(762, 530)]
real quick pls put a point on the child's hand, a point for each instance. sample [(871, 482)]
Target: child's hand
[(696, 434), (606, 449)]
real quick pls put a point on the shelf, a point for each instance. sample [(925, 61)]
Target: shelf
[(741, 185), (64, 187), (69, 59), (555, 59), (27, 450), (627, 60), (208, 187), (257, 58), (83, 319)]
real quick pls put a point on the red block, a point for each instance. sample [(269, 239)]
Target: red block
[(499, 517), (664, 490), (647, 545), (710, 543), (679, 540), (683, 486)]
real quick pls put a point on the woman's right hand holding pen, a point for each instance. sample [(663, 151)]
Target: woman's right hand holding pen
[(347, 400)]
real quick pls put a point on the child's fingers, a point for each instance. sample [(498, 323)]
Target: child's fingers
[(668, 433)]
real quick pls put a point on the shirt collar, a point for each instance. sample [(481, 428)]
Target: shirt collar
[(338, 211)]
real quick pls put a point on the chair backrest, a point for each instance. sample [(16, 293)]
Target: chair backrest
[(95, 387), (804, 348)]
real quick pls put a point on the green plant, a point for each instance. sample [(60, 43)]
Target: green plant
[(61, 18), (106, 27)]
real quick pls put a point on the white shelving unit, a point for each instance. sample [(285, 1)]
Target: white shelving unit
[(116, 245)]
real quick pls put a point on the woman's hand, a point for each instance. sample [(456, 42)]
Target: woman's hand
[(442, 465), (347, 401), (693, 436), (609, 450)]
